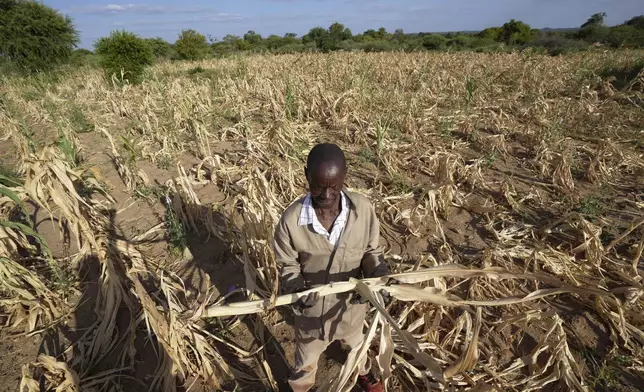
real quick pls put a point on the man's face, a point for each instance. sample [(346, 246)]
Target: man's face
[(325, 184)]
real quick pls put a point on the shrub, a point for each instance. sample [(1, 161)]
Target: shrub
[(82, 57), (556, 45), (160, 48), (434, 42), (34, 36), (516, 32), (291, 48), (625, 36), (192, 45), (124, 53), (460, 41), (377, 46), (492, 33)]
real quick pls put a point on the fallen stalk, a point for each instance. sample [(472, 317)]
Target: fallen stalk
[(405, 292)]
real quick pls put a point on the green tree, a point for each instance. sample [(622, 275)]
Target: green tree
[(192, 45), (382, 33), (399, 36), (493, 33), (82, 57), (370, 34), (273, 42), (253, 39), (160, 47), (319, 36), (243, 45), (34, 36), (624, 36), (125, 55), (338, 32), (516, 32), (593, 30), (434, 42), (595, 21), (290, 39), (637, 22)]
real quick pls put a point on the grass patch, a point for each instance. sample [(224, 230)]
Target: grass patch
[(605, 374), (490, 158), (166, 162), (176, 232), (365, 155), (149, 192), (79, 122), (401, 184), (200, 72), (591, 207), (69, 149), (9, 176), (445, 129)]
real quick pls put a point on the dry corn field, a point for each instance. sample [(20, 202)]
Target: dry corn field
[(136, 221)]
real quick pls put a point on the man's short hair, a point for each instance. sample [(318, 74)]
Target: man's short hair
[(325, 153)]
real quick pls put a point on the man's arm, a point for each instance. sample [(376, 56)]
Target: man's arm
[(373, 262), (287, 260)]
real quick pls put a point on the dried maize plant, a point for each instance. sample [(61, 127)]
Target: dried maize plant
[(517, 206), (607, 158), (426, 370), (25, 298), (51, 183), (57, 375), (187, 345), (562, 174), (260, 215), (122, 166), (544, 158)]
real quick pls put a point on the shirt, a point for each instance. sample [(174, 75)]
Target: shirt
[(309, 217)]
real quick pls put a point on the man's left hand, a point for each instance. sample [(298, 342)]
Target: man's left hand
[(359, 299), (387, 298)]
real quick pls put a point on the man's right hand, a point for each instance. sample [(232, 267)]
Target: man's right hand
[(306, 302)]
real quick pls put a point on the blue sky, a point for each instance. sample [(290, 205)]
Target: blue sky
[(163, 18)]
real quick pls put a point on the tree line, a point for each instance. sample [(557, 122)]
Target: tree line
[(35, 37), (191, 45)]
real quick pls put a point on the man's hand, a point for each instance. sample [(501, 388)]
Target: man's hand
[(306, 302), (358, 299)]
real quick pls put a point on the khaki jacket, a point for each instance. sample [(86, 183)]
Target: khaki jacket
[(306, 259)]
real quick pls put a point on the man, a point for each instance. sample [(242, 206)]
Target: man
[(330, 235)]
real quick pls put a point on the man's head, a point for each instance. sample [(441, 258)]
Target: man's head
[(325, 171)]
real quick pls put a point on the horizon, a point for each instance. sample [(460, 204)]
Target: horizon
[(96, 18)]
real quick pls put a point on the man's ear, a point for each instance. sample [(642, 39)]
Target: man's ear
[(306, 173)]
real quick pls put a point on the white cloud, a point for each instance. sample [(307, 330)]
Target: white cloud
[(111, 9)]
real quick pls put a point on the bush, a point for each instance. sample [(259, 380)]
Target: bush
[(492, 33), (82, 57), (124, 53), (460, 41), (625, 36), (35, 37), (434, 42), (556, 45), (516, 32), (160, 48), (192, 45), (291, 48), (377, 46)]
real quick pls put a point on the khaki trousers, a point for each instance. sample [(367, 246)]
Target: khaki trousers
[(307, 354)]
